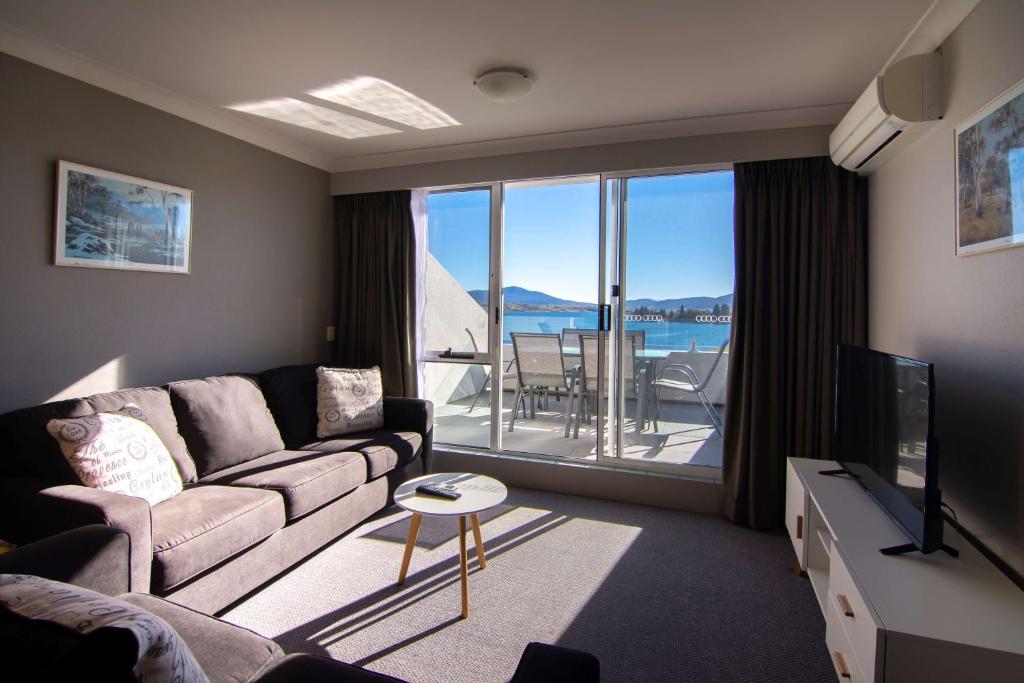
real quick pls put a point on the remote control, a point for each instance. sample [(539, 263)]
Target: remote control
[(438, 491)]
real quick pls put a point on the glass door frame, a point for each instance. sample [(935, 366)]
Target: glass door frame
[(614, 233), (492, 356)]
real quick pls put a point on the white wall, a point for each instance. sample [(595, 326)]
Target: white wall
[(451, 316), (964, 314), (688, 151)]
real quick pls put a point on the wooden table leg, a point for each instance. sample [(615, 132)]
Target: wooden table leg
[(462, 566), (479, 541), (410, 543)]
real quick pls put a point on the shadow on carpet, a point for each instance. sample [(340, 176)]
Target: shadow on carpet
[(656, 595)]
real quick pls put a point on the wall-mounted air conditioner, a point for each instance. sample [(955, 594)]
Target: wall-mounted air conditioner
[(909, 92)]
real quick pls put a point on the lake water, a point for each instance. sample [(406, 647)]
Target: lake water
[(671, 335)]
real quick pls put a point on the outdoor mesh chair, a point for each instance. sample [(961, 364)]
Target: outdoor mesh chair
[(506, 374), (586, 384), (639, 338), (685, 378), (540, 368), (571, 335)]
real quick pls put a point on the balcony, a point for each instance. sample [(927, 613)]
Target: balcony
[(462, 392), (685, 434)]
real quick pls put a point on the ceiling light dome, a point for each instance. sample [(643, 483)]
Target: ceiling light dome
[(504, 85)]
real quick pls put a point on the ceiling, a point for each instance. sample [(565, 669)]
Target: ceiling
[(600, 67)]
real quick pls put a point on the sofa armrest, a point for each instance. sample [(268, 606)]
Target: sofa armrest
[(94, 557), (412, 415), (32, 509)]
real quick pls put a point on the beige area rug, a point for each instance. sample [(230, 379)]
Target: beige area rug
[(656, 595)]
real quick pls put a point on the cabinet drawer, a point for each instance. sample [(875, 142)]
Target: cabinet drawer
[(854, 616), (796, 514), (840, 650)]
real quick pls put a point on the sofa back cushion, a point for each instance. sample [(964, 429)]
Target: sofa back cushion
[(291, 396), (29, 450), (224, 420), (155, 402)]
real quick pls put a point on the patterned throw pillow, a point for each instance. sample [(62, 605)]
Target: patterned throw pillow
[(118, 452), (162, 654), (348, 401)]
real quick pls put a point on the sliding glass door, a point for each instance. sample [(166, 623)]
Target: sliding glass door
[(582, 318), (672, 268), (460, 315), (550, 272)]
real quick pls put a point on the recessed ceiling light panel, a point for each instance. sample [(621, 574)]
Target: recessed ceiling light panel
[(314, 117), (386, 100)]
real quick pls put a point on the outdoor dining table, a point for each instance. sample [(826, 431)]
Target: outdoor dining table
[(649, 358)]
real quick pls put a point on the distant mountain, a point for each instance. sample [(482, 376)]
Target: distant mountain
[(520, 298), (701, 302)]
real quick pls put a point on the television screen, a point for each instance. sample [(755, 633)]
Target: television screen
[(883, 411)]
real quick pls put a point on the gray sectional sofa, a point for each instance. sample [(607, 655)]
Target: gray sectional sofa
[(261, 492)]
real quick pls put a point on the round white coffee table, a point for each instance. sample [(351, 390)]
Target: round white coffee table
[(479, 493)]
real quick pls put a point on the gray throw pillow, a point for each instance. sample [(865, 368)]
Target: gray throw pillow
[(348, 401)]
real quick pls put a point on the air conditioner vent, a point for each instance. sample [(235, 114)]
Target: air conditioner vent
[(880, 148), (907, 93)]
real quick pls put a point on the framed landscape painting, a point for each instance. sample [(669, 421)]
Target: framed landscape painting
[(110, 220), (990, 176)]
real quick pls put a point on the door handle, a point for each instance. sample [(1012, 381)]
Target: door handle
[(604, 317)]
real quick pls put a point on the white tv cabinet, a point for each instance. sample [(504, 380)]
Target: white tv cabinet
[(898, 618)]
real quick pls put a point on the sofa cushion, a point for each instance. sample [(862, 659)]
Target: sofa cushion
[(205, 525), (348, 401), (119, 452), (383, 450), (291, 396), (305, 479), (225, 421), (29, 450), (225, 652)]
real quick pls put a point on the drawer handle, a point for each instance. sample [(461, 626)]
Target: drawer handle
[(799, 526), (844, 605), (844, 671)]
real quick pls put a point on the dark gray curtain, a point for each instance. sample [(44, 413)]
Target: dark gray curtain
[(376, 287), (801, 288)]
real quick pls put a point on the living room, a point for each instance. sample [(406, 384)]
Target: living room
[(619, 268)]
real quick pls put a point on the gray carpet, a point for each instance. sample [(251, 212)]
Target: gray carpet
[(657, 595)]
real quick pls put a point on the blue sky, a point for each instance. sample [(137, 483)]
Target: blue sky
[(679, 236)]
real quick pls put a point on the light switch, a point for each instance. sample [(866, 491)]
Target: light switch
[(330, 333)]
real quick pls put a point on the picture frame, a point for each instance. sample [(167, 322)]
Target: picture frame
[(110, 220), (989, 176)]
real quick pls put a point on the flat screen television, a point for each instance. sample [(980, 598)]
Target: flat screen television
[(884, 438)]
